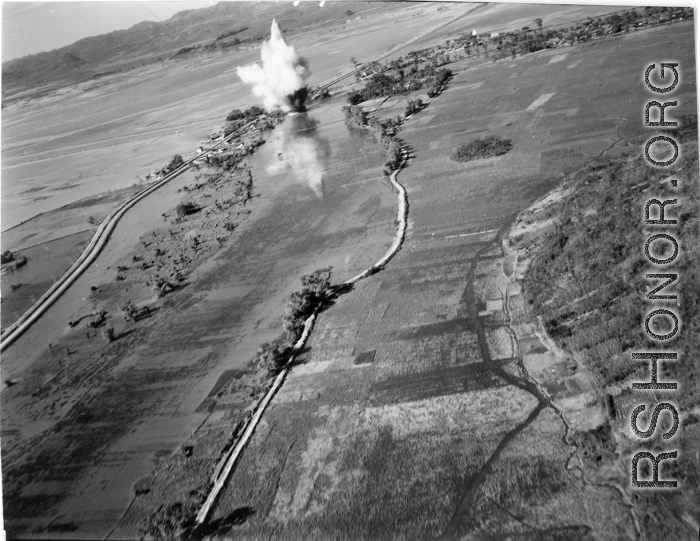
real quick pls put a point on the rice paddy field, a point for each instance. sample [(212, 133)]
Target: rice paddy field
[(413, 416)]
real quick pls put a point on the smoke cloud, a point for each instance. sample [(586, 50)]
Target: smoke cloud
[(300, 150), (281, 80)]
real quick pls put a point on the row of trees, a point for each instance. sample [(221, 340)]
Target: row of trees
[(527, 40), (413, 106), (388, 81), (314, 292), (383, 131), (231, 33), (221, 42), (356, 117)]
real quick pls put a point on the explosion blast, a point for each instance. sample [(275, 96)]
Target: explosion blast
[(280, 81)]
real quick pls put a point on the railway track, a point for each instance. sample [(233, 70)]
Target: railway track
[(93, 249)]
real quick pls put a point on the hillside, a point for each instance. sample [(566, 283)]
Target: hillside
[(153, 41), (585, 283)]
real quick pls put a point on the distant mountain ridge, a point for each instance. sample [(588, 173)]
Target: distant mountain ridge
[(150, 41)]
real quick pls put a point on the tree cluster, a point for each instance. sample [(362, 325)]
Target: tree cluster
[(248, 114), (441, 77), (135, 313), (303, 302), (236, 119), (176, 162), (481, 148), (401, 77), (413, 106), (272, 357), (162, 286), (356, 117)]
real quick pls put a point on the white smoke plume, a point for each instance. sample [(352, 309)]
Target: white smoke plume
[(281, 80), (300, 150)]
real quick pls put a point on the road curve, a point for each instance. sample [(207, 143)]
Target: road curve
[(402, 217), (93, 249), (220, 481)]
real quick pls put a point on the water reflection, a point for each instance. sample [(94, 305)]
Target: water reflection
[(302, 151)]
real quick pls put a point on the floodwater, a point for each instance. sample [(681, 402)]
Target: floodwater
[(321, 170), (46, 263), (323, 201), (109, 133)]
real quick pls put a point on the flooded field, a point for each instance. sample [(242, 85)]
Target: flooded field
[(21, 287), (322, 201)]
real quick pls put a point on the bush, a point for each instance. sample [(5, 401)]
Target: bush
[(273, 357), (481, 148), (354, 115), (236, 114), (176, 162), (442, 75), (7, 256), (232, 126), (134, 313), (108, 334), (185, 209), (354, 97), (413, 106)]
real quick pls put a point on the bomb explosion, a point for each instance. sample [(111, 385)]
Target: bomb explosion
[(281, 80)]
